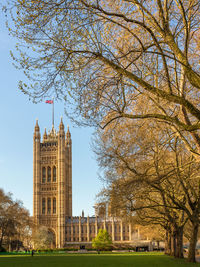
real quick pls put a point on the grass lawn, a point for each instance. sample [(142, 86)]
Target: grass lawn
[(107, 260)]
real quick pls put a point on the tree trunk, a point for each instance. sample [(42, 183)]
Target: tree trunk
[(168, 242), (9, 245), (158, 245), (179, 242), (173, 243), (193, 242), (1, 239)]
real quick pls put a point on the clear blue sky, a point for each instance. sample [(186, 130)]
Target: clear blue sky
[(17, 117)]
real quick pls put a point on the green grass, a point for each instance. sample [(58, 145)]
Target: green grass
[(88, 260)]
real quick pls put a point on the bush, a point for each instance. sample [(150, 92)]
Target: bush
[(71, 249), (2, 249)]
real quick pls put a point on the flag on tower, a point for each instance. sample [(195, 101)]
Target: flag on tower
[(49, 101)]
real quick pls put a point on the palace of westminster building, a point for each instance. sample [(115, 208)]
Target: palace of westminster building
[(52, 195)]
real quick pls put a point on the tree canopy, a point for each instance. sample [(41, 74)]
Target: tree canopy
[(108, 57), (102, 241), (43, 238), (15, 222), (154, 179)]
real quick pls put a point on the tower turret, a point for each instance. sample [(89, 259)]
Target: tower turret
[(61, 127), (36, 172), (45, 135), (68, 147), (37, 130), (68, 140), (61, 185), (68, 134)]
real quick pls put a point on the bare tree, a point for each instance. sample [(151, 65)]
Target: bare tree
[(14, 219), (155, 177), (107, 56)]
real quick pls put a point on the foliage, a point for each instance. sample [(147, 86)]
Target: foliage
[(42, 238), (102, 241), (15, 221), (152, 232), (154, 180), (109, 57), (2, 249)]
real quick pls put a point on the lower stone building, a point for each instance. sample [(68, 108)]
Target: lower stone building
[(84, 229), (52, 195)]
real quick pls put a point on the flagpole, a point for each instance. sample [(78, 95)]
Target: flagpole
[(53, 113)]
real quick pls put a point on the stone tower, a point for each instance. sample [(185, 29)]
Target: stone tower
[(52, 180)]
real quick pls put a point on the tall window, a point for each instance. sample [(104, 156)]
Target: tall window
[(43, 205), (54, 174), (54, 205), (49, 206), (49, 174), (43, 175)]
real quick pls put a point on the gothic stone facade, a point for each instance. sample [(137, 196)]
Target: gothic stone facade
[(52, 194)]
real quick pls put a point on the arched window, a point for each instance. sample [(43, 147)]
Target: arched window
[(54, 206), (49, 174), (54, 174), (43, 175), (49, 206), (43, 206)]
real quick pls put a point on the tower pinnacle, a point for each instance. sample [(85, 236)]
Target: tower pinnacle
[(68, 134), (45, 134), (61, 126), (37, 128)]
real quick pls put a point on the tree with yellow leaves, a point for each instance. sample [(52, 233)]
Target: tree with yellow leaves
[(155, 178), (102, 241), (107, 57)]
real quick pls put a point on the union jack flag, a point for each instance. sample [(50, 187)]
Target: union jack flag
[(49, 101)]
